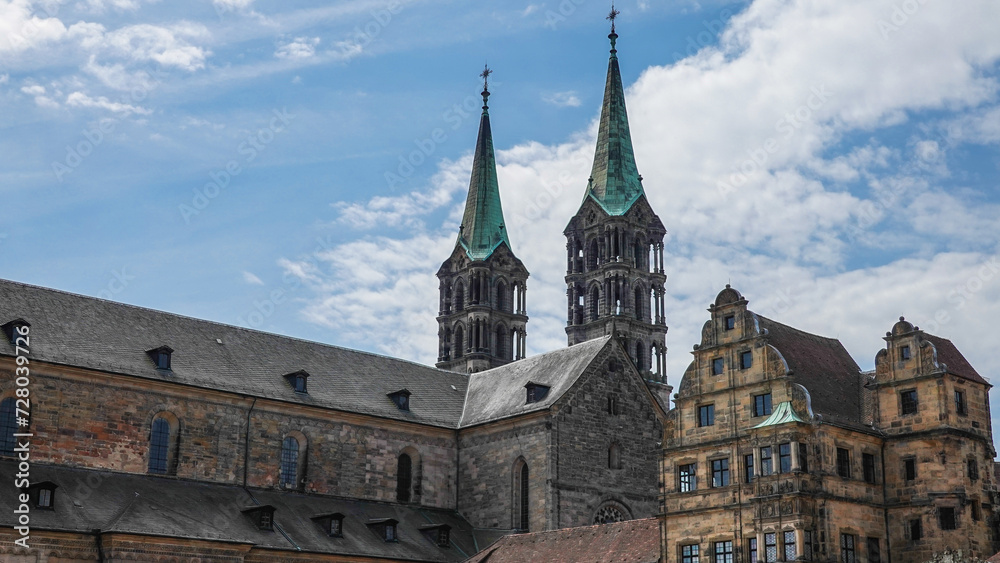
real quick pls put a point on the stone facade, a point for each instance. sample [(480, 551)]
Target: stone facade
[(780, 448)]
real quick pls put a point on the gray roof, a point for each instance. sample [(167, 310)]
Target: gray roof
[(86, 500), (93, 333), (499, 393)]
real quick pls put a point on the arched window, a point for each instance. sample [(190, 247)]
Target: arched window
[(640, 360), (459, 295), (639, 308), (163, 444), (409, 475), (501, 336), (592, 256), (501, 296), (614, 456), (289, 474), (8, 426), (521, 504), (637, 255), (459, 341), (595, 300)]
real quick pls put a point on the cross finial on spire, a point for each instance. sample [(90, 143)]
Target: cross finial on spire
[(485, 75), (611, 16)]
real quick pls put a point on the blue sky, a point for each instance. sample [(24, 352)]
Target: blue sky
[(243, 160)]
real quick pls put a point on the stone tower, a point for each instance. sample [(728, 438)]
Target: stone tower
[(481, 319), (614, 243)]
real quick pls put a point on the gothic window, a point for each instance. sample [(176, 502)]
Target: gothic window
[(847, 552), (8, 426), (762, 404), (595, 301), (592, 259), (163, 444), (502, 351), (639, 359), (404, 477), (614, 457), (521, 499), (639, 308), (288, 475), (502, 297), (459, 341), (607, 514), (844, 463), (459, 295)]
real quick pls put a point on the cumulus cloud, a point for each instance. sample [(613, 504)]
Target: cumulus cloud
[(167, 45), (81, 100), (769, 159), (563, 99), (42, 98), (22, 27), (299, 48)]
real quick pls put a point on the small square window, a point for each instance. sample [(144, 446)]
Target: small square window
[(717, 366), (762, 404), (909, 469), (706, 415), (730, 322), (946, 515), (908, 401), (904, 352), (746, 360)]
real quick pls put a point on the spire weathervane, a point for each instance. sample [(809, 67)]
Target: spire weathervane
[(485, 75)]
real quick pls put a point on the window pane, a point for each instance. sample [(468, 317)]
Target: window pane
[(720, 472), (748, 465), (706, 415), (689, 554), (159, 446), (770, 548), (847, 554), (289, 462), (844, 463), (789, 540), (752, 543), (874, 551), (784, 458), (8, 426), (687, 478), (868, 463), (765, 461), (723, 552)]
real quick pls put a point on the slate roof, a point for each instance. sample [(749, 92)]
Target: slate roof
[(499, 392), (956, 363), (632, 541), (821, 365), (161, 506), (103, 335)]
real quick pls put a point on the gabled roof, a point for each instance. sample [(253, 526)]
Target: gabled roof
[(956, 363), (103, 335), (483, 228), (632, 541), (500, 392), (171, 507), (784, 413), (823, 366), (614, 179)]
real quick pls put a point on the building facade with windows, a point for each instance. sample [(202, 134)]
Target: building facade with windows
[(780, 448)]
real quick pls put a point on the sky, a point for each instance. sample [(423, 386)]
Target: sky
[(300, 167)]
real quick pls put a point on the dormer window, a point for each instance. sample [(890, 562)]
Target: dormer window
[(401, 398), (536, 392), (440, 534), (15, 328), (385, 528), (42, 495), (262, 516), (904, 352), (161, 357), (332, 524), (298, 381)]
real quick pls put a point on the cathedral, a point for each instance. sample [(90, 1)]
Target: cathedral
[(141, 435)]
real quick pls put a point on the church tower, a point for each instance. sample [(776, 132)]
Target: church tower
[(481, 318), (614, 243)]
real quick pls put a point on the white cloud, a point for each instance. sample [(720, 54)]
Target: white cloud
[(299, 48), (23, 28), (562, 99), (81, 100), (530, 9), (4, 78), (222, 6), (38, 92), (168, 46), (742, 151), (251, 279)]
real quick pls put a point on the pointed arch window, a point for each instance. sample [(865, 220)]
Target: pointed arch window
[(459, 342), (595, 300), (640, 363), (502, 297), (404, 477), (8, 426), (639, 307), (614, 456), (503, 351), (459, 295), (521, 502)]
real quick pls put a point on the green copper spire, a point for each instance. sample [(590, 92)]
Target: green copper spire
[(482, 228), (614, 181)]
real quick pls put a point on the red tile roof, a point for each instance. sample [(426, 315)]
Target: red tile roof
[(633, 541)]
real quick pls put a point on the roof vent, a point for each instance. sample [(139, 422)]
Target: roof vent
[(161, 357), (401, 398)]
